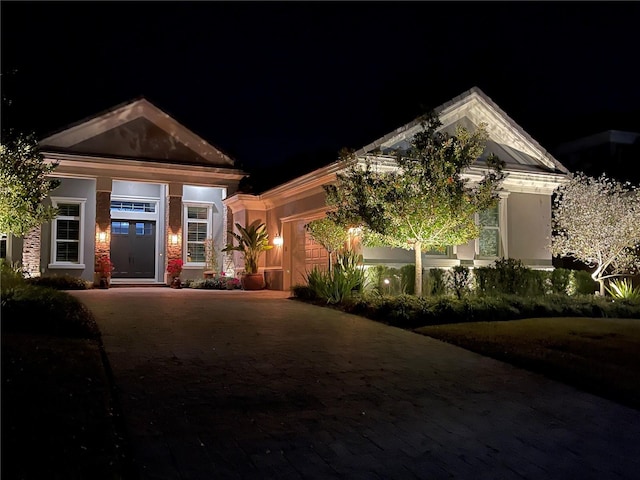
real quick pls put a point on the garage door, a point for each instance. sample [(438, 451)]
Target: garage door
[(307, 255)]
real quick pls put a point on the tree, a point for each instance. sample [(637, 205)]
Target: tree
[(328, 234), (420, 200), (597, 221), (24, 183)]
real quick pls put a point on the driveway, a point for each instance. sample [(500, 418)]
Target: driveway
[(217, 385)]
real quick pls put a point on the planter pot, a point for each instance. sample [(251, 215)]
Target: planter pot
[(252, 281), (105, 282), (176, 283)]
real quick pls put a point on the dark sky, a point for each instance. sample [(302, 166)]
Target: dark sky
[(272, 82)]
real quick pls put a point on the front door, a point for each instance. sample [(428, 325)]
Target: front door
[(133, 248)]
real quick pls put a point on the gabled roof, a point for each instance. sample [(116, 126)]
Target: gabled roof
[(136, 130), (506, 138)]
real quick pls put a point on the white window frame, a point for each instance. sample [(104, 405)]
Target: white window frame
[(185, 230), (55, 201), (501, 228), (4, 237)]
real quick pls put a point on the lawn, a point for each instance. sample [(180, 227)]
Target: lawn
[(598, 355)]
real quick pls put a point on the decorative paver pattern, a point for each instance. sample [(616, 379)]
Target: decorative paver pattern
[(217, 384)]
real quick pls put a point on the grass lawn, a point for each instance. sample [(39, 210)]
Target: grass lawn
[(598, 355), (57, 416)]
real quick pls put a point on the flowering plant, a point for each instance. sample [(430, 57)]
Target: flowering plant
[(104, 265), (174, 268)]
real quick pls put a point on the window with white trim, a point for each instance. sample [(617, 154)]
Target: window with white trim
[(197, 228), (67, 232), (489, 240), (3, 245)]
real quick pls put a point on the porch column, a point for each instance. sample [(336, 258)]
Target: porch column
[(103, 217), (31, 251), (174, 222)]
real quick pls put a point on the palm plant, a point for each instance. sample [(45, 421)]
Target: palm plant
[(252, 241)]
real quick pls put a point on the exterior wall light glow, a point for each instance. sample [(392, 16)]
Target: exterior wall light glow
[(102, 236), (174, 239), (278, 240)]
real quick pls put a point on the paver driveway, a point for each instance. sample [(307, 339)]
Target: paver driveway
[(218, 385)]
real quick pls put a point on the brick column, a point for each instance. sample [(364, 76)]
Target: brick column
[(31, 251), (103, 224), (174, 227)]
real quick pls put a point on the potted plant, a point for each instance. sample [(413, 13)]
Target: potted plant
[(104, 268), (174, 269), (251, 240)]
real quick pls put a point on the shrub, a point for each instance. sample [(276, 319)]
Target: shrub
[(623, 289), (11, 276), (458, 280), (510, 275), (59, 282), (408, 279), (336, 285), (45, 311), (433, 283), (583, 283), (560, 281), (407, 311), (216, 283)]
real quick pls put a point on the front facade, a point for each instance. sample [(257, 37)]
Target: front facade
[(139, 187), (519, 227)]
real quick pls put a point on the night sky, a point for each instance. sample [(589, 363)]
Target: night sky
[(289, 84)]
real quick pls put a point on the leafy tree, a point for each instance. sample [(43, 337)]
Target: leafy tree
[(417, 199), (24, 183), (597, 221), (328, 234)]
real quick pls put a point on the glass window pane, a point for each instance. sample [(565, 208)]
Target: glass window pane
[(68, 210), (68, 230), (67, 251), (199, 213), (195, 252), (144, 228), (489, 218), (196, 232), (123, 206), (489, 242), (119, 228)]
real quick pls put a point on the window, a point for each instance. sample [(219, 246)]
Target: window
[(66, 232), (125, 206), (489, 241), (3, 245), (119, 228), (197, 228)]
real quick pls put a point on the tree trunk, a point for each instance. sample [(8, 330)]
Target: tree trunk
[(417, 248)]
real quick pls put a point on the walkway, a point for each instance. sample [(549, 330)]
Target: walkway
[(218, 385)]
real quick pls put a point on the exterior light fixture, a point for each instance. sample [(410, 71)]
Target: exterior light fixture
[(278, 240), (386, 281), (102, 237), (174, 239)]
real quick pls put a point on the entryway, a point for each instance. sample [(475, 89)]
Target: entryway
[(133, 248)]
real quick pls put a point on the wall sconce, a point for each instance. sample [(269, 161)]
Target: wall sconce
[(174, 239), (278, 240), (102, 237)]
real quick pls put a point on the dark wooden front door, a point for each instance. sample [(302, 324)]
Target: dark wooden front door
[(133, 248)]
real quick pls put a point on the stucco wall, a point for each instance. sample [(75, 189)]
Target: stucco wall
[(74, 188), (529, 228)]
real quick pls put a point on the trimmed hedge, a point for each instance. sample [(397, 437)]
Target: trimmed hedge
[(45, 311), (408, 311), (59, 282)]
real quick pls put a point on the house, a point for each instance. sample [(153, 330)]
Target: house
[(141, 187), (519, 227), (135, 185)]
